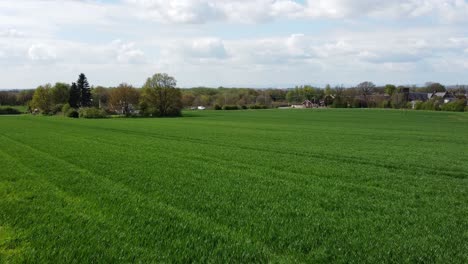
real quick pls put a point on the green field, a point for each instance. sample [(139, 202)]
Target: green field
[(355, 186)]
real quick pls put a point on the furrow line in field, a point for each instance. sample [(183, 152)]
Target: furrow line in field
[(183, 214), (452, 173), (228, 161), (292, 178)]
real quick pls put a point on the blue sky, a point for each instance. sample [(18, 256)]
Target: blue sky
[(255, 43)]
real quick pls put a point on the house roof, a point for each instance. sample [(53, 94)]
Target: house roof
[(418, 96), (439, 94)]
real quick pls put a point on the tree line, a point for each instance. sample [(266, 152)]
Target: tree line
[(159, 96)]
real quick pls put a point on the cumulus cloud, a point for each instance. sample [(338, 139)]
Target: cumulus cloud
[(11, 33), (127, 52), (364, 40), (207, 48), (298, 45), (195, 49), (41, 52), (201, 11), (178, 11)]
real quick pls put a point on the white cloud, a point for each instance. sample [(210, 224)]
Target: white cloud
[(207, 48), (208, 42), (44, 17), (41, 52), (127, 53), (194, 49), (177, 11), (11, 33), (201, 11), (298, 46)]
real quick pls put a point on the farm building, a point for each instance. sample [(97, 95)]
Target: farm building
[(307, 104), (299, 106)]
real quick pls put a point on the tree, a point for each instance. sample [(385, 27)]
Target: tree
[(75, 96), (328, 90), (24, 96), (390, 89), (122, 98), (308, 93), (187, 99), (295, 95), (339, 101), (204, 100), (60, 93), (160, 97), (100, 96), (42, 99), (434, 87), (85, 91), (366, 89), (7, 98)]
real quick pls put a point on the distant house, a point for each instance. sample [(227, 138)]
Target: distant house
[(445, 96), (423, 97), (301, 106), (307, 104)]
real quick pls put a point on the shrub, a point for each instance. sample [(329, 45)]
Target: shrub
[(339, 103), (72, 113), (431, 105), (9, 111), (148, 111), (217, 107), (372, 104), (230, 107), (419, 105), (455, 106), (92, 113), (243, 107), (66, 108), (278, 104), (56, 109), (258, 106), (381, 104)]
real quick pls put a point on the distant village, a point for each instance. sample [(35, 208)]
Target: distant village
[(431, 96), (413, 99)]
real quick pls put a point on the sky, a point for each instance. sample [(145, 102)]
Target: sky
[(234, 43)]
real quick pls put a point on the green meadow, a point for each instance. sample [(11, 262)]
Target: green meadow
[(279, 186)]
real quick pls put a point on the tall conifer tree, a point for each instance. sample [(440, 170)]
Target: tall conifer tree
[(85, 91), (75, 96)]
